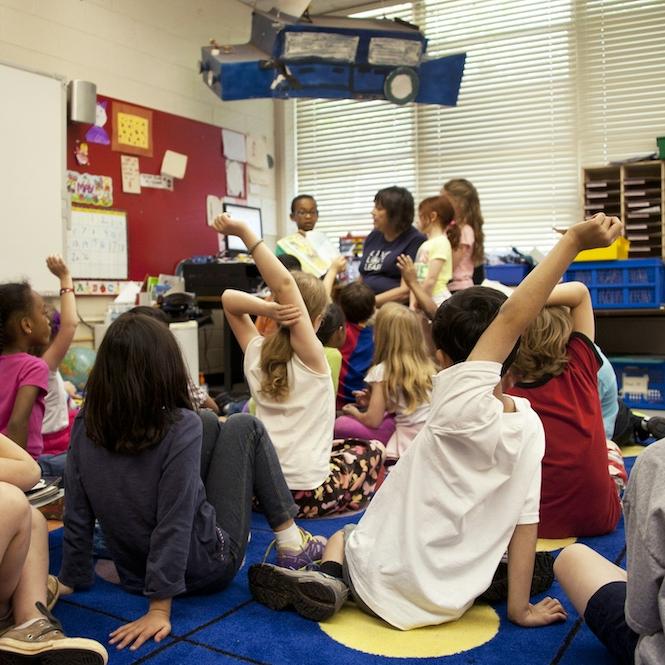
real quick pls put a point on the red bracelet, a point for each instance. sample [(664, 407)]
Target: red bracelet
[(67, 289)]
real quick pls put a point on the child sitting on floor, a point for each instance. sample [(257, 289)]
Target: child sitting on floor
[(358, 302), (25, 326), (400, 382), (28, 630), (625, 611), (58, 415), (290, 381), (465, 490), (174, 506), (332, 333), (556, 369)]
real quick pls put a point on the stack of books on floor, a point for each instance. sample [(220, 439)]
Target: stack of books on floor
[(46, 491)]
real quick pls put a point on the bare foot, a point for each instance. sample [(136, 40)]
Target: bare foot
[(106, 569)]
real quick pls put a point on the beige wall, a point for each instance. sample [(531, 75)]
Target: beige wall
[(142, 51)]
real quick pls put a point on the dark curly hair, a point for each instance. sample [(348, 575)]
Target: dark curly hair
[(15, 301)]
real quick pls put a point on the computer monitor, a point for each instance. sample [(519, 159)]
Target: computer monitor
[(248, 214)]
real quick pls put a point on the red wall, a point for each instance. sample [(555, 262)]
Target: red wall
[(162, 227)]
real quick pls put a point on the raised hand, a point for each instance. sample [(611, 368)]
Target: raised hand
[(225, 224), (598, 231), (56, 264)]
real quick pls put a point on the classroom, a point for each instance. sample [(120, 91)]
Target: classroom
[(128, 127)]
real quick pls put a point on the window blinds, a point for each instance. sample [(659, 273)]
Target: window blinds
[(548, 87)]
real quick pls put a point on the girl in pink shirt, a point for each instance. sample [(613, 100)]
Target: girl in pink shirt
[(469, 256), (24, 325)]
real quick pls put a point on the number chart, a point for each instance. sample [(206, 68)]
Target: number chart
[(97, 244)]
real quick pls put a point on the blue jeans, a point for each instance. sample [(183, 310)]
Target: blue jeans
[(53, 465)]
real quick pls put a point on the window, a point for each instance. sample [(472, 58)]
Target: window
[(549, 86)]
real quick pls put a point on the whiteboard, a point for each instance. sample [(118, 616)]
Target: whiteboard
[(33, 202), (97, 244)]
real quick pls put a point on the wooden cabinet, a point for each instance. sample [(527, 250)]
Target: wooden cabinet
[(636, 193)]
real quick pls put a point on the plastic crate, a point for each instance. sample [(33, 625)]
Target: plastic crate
[(629, 284), (641, 380), (509, 274)]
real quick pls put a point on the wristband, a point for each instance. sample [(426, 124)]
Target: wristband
[(67, 289), (250, 251)]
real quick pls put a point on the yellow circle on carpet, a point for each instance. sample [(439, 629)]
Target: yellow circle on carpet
[(359, 631), (632, 451), (551, 544)]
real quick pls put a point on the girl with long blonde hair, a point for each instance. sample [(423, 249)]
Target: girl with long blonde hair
[(399, 382), (290, 380)]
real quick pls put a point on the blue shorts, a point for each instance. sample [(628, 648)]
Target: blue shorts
[(606, 617)]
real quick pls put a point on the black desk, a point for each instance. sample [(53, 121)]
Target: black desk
[(208, 281), (631, 331)]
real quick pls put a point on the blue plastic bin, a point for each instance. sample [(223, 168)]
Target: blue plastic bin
[(622, 284), (509, 274), (641, 380)]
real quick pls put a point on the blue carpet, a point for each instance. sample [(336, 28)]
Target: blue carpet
[(230, 627)]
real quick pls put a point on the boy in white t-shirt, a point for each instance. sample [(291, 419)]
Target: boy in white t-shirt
[(468, 487)]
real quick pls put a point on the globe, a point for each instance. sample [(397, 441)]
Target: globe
[(76, 366)]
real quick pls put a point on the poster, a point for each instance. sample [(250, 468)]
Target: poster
[(131, 178), (132, 130), (89, 189)]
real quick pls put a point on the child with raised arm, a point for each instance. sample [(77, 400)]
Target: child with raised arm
[(465, 490), (557, 371), (290, 380), (25, 326), (28, 630), (57, 424), (174, 502)]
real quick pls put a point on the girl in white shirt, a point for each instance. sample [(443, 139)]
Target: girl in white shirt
[(399, 382), (289, 378)]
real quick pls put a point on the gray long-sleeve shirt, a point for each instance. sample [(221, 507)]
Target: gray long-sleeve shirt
[(644, 507), (159, 528)]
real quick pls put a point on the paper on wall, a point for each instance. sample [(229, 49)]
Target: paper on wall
[(214, 207), (258, 176), (131, 178), (269, 216), (174, 164), (235, 178), (233, 144), (257, 151), (156, 181)]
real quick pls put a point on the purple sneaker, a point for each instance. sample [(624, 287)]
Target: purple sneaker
[(310, 552)]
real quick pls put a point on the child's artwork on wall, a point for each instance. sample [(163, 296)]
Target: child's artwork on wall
[(81, 152), (92, 190), (132, 129), (131, 178), (235, 179), (97, 133)]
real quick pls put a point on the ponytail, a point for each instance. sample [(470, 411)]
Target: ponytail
[(276, 352)]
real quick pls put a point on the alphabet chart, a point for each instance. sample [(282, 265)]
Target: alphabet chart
[(97, 244)]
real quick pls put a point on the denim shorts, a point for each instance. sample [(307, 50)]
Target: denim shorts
[(606, 617)]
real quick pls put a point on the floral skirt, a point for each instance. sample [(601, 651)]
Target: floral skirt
[(356, 466)]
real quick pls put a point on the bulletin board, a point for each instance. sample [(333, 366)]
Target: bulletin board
[(163, 227), (97, 244)]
